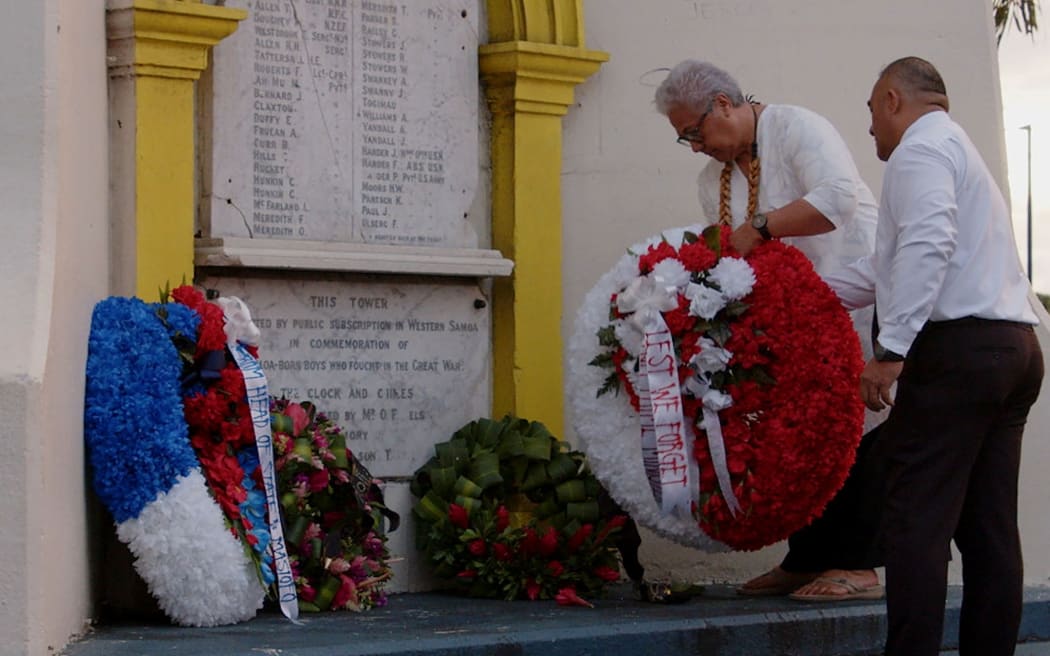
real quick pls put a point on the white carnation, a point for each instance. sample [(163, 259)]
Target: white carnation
[(706, 301), (716, 400), (670, 273), (733, 276)]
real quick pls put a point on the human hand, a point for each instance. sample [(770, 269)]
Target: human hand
[(876, 381), (745, 238)]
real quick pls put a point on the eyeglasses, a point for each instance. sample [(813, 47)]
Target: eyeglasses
[(694, 135)]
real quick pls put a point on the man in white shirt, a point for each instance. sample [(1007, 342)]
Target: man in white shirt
[(955, 335)]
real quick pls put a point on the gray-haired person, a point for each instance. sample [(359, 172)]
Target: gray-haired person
[(784, 172)]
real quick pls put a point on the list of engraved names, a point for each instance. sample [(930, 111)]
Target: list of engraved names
[(347, 120)]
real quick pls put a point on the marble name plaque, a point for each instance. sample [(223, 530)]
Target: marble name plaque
[(346, 120), (400, 367)]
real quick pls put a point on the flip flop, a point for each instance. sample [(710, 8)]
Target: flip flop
[(785, 582), (853, 591)]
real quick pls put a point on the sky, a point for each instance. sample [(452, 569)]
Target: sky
[(1024, 73)]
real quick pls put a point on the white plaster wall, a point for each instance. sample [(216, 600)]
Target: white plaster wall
[(53, 182), (624, 178)]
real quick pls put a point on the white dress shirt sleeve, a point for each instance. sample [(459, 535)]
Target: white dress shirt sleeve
[(920, 191)]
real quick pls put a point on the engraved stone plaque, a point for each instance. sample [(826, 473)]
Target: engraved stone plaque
[(399, 367), (346, 120)]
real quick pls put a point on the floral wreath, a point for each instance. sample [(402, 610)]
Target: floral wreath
[(506, 510), (762, 381), (333, 510), (171, 440)]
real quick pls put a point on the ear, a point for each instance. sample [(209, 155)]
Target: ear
[(894, 100)]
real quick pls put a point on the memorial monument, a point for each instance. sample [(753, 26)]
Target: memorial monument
[(341, 199)]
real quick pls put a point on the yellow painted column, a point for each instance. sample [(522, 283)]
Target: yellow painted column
[(157, 50), (529, 86)]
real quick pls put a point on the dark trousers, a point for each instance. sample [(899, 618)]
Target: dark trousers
[(845, 534), (952, 445)]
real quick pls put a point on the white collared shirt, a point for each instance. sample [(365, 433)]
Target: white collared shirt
[(944, 246)]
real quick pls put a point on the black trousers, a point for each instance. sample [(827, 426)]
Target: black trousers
[(952, 445), (845, 536)]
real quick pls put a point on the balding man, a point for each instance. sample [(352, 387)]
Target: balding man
[(955, 335)]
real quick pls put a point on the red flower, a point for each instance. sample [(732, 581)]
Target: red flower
[(532, 589), (477, 547), (318, 480), (614, 523), (458, 516), (606, 573), (555, 568), (579, 536), (697, 256), (549, 541), (467, 574), (530, 543), (501, 551), (567, 597), (298, 415), (502, 518)]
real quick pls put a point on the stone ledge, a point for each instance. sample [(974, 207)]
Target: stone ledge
[(434, 624), (349, 257)]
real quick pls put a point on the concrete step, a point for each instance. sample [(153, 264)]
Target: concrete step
[(433, 624)]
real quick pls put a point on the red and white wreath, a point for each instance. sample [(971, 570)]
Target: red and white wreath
[(715, 396)]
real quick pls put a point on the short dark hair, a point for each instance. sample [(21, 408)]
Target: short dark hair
[(916, 75)]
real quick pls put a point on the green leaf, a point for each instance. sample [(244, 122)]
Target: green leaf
[(535, 477), (690, 237), (584, 511), (443, 480), (537, 447), (607, 336), (561, 467), (573, 490), (603, 360), (610, 384), (736, 308), (468, 488), (485, 470), (720, 333), (713, 238)]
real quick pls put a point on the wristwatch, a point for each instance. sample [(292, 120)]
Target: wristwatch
[(758, 222), (885, 355)]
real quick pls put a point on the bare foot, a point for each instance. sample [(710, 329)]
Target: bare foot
[(841, 584), (776, 581)]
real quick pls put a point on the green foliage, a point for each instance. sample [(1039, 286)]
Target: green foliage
[(1020, 13)]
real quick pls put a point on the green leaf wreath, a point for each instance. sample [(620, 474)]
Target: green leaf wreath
[(506, 510)]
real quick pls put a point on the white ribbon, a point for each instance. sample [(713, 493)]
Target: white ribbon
[(667, 441), (240, 324), (714, 401), (646, 299)]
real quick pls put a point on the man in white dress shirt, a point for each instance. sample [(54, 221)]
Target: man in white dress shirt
[(955, 335)]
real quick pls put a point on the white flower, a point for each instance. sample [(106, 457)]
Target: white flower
[(670, 274), (631, 339), (733, 276), (711, 358), (674, 236), (706, 301)]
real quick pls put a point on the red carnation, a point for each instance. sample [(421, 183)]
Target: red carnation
[(606, 573), (477, 547), (467, 574), (555, 568), (532, 589)]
